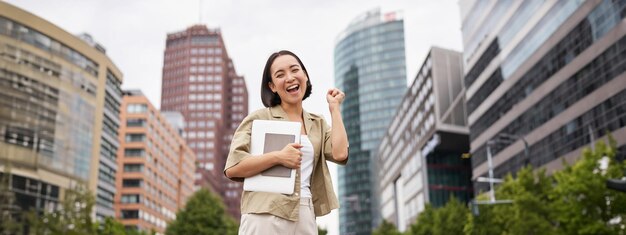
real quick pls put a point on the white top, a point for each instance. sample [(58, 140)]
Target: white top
[(306, 168)]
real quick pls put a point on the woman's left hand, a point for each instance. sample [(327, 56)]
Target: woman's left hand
[(334, 97)]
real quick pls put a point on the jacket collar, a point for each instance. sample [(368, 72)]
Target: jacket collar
[(278, 113)]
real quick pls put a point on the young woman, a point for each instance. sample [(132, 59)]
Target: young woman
[(285, 85)]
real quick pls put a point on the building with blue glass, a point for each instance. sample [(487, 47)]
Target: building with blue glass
[(543, 80), (370, 67)]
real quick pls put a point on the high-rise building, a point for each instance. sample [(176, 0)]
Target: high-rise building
[(156, 168), (419, 158), (370, 68), (548, 75), (59, 112), (200, 81)]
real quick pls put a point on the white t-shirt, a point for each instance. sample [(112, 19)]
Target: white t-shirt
[(306, 168)]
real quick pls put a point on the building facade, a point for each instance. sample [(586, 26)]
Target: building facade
[(200, 81), (370, 68), (548, 73), (419, 158), (156, 175), (59, 112)]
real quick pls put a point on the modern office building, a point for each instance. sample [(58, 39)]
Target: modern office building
[(370, 68), (200, 81), (546, 73), (156, 175), (419, 158), (59, 112)]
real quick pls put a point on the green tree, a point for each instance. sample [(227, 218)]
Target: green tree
[(450, 218), (574, 200), (529, 213), (386, 228), (72, 218), (203, 214), (425, 222), (582, 202), (110, 226)]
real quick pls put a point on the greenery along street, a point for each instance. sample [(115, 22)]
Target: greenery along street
[(574, 200)]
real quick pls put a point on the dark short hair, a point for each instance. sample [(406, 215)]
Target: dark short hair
[(269, 98)]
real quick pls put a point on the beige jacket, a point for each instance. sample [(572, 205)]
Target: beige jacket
[(281, 205)]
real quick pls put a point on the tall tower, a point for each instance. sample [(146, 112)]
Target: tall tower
[(542, 78), (370, 67), (200, 81)]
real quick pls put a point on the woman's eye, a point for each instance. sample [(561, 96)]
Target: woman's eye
[(279, 75), (295, 70)]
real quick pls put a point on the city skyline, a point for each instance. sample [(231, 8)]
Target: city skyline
[(249, 40), (141, 60), (538, 83)]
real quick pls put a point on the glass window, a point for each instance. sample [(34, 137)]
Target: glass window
[(130, 214), (134, 152), (135, 137), (136, 108), (135, 122), (132, 183), (133, 167)]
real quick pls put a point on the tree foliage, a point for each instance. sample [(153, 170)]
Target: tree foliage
[(574, 200), (449, 219), (386, 228), (528, 214), (203, 214), (582, 202), (425, 222), (73, 216), (110, 226), (321, 231)]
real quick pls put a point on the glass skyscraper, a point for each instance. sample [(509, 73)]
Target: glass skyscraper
[(370, 68), (548, 73)]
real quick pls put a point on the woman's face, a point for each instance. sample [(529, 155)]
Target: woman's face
[(288, 79)]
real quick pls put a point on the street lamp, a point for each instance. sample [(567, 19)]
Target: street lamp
[(491, 180)]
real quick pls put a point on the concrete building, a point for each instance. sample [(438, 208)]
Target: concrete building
[(419, 158), (370, 68), (200, 82), (548, 73), (59, 112), (157, 168)]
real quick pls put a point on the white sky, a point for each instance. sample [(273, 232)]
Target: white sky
[(133, 32)]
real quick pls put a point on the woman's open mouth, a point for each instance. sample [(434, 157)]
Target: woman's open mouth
[(293, 89)]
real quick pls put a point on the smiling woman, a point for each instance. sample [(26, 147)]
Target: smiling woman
[(285, 84), (284, 63)]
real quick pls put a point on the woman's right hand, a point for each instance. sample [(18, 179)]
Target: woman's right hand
[(290, 156)]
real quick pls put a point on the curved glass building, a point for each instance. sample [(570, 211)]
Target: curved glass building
[(60, 101), (370, 68)]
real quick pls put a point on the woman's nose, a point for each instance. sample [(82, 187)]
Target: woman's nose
[(290, 78)]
